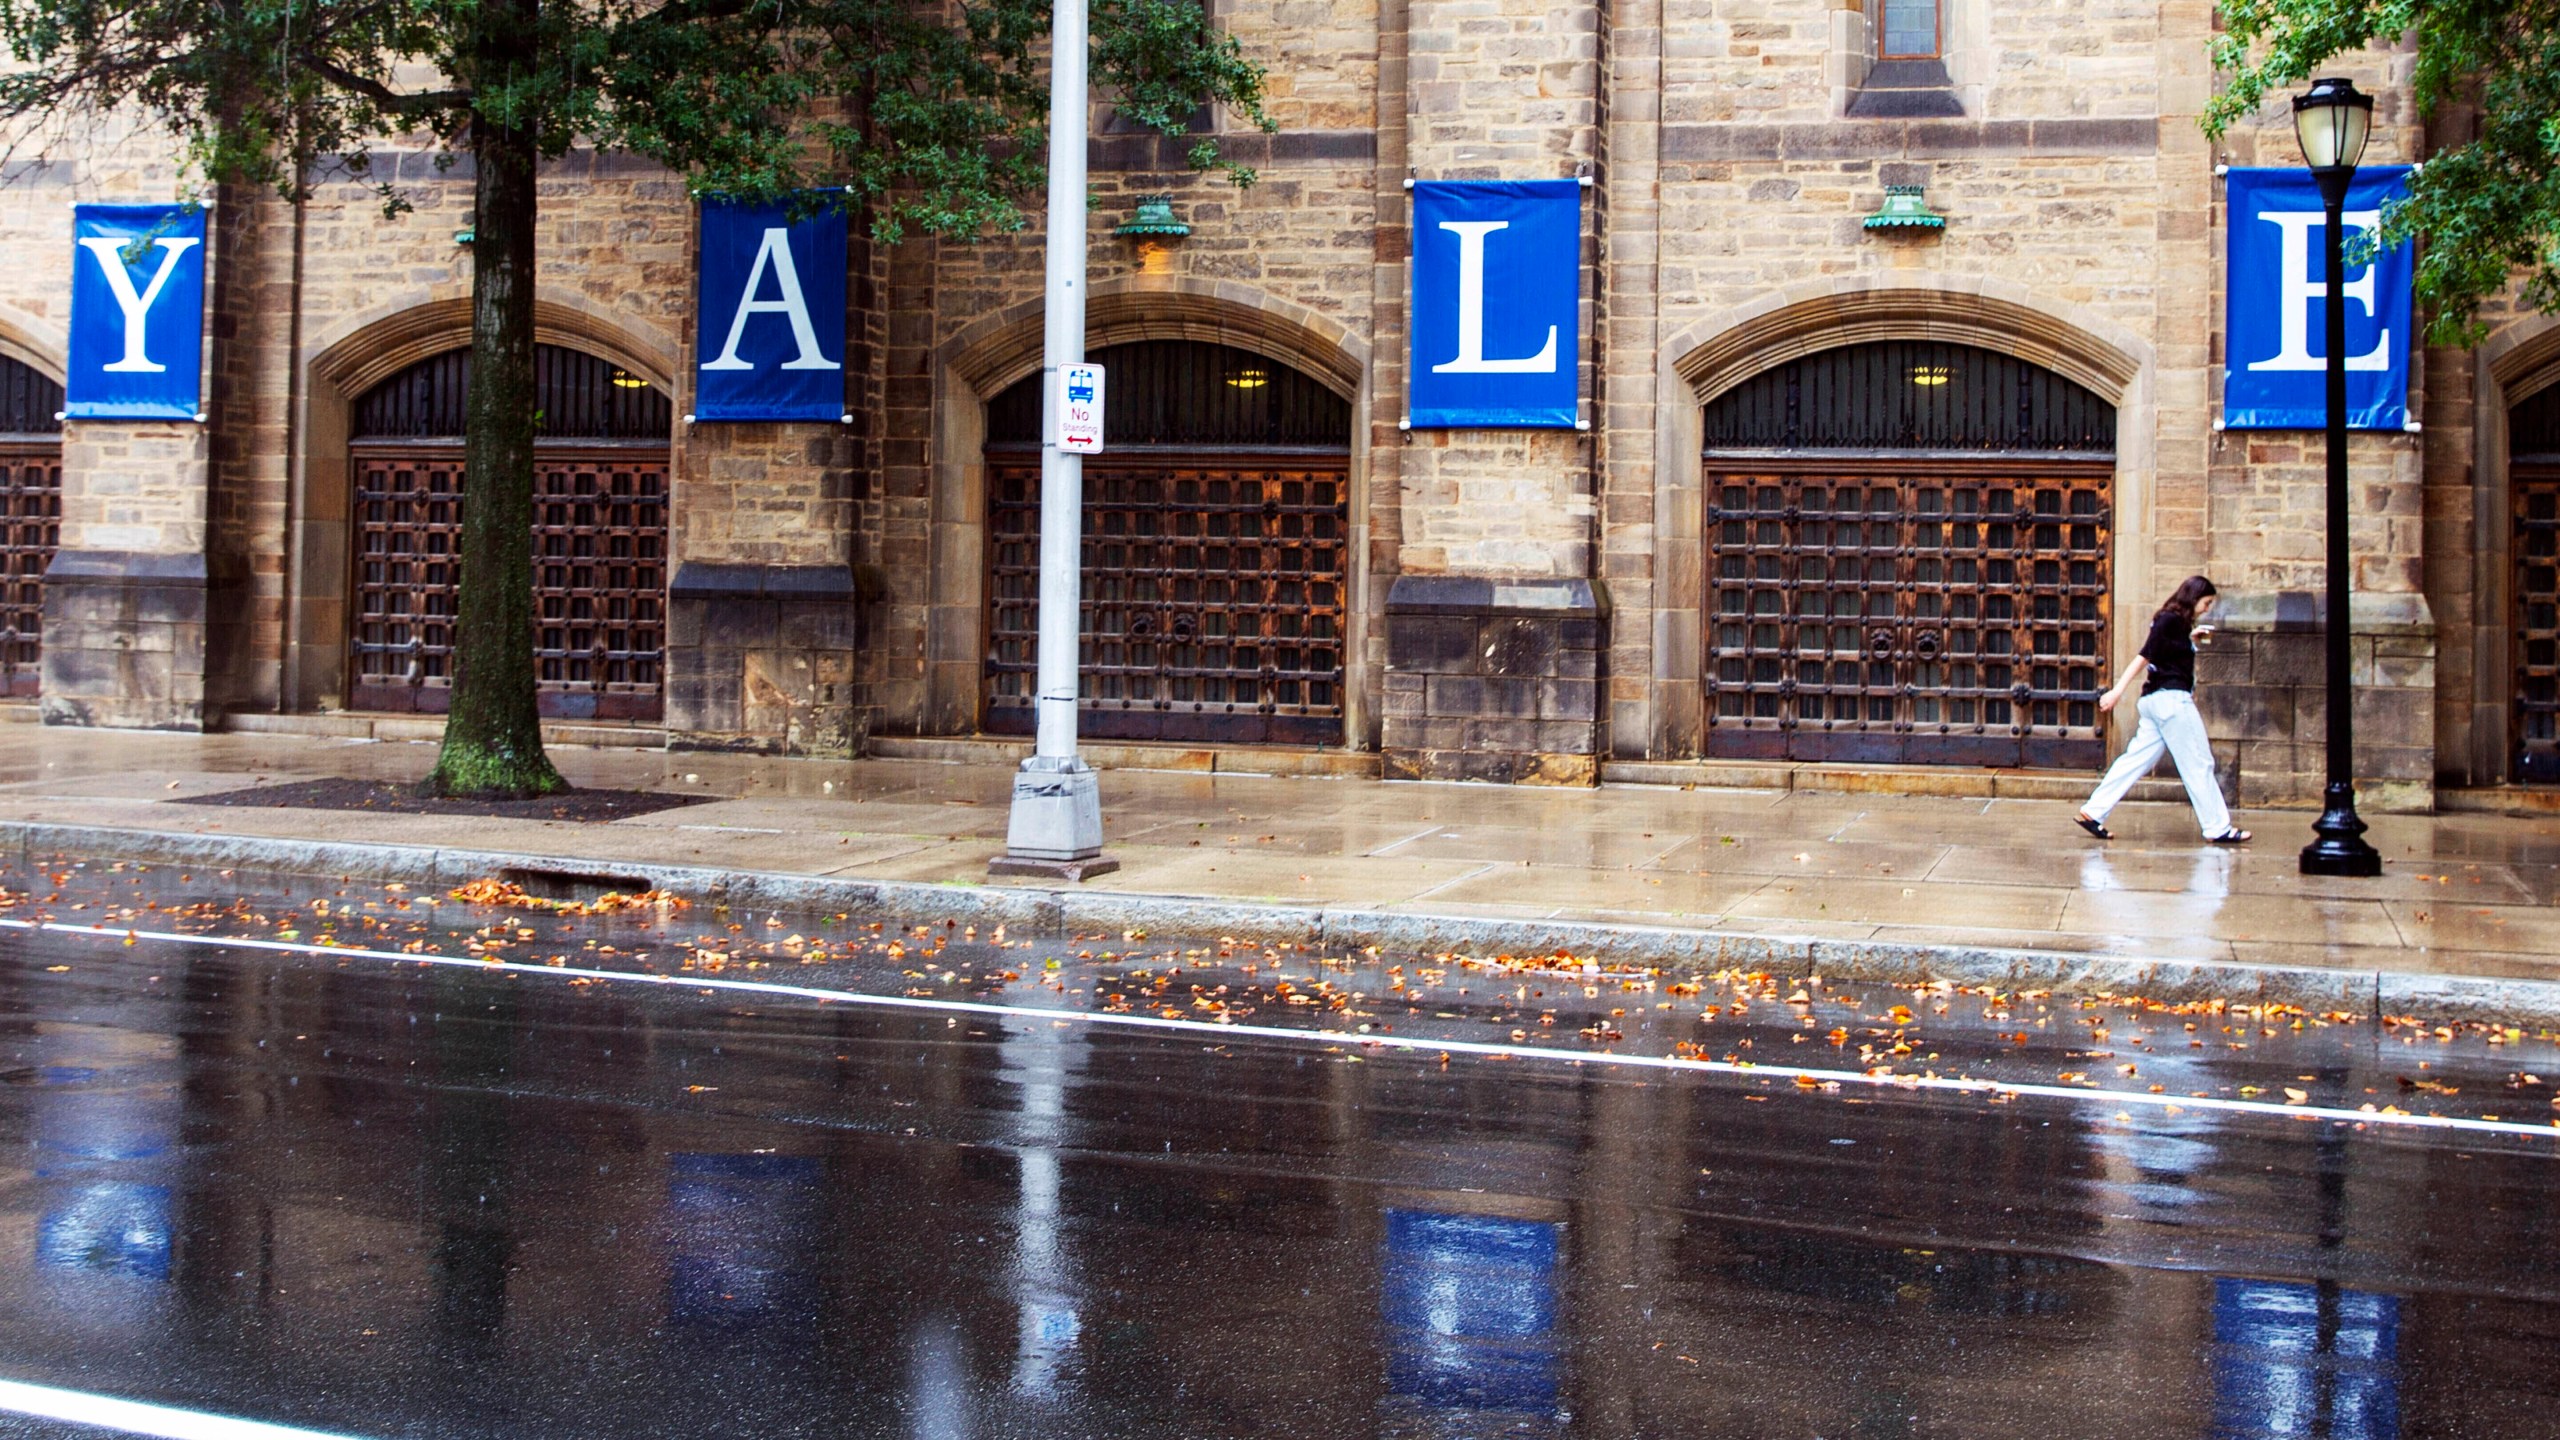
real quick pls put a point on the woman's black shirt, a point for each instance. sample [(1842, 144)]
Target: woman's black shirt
[(2172, 654)]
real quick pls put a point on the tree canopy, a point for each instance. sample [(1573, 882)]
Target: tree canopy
[(2485, 209), (932, 115)]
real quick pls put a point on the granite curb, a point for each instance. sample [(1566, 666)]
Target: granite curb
[(1060, 914)]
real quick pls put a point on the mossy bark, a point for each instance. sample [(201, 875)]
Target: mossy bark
[(493, 735)]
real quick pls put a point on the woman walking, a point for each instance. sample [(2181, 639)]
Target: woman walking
[(2167, 668)]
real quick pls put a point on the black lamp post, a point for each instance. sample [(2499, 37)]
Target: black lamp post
[(2332, 121)]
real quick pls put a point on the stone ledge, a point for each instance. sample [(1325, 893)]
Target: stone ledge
[(125, 567), (2290, 612), (704, 580), (1479, 595)]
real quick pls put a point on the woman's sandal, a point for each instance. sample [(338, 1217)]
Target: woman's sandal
[(2232, 837), (2093, 827)]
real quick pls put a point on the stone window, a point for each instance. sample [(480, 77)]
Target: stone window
[(1891, 58)]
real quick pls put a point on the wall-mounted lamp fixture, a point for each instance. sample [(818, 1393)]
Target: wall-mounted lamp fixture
[(1905, 209), (1156, 229)]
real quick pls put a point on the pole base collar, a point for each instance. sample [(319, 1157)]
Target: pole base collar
[(1072, 871)]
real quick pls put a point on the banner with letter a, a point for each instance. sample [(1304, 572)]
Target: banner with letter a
[(769, 308), (2275, 356), (1497, 305), (137, 313)]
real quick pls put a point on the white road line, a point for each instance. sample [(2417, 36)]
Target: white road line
[(133, 1417), (1747, 1069)]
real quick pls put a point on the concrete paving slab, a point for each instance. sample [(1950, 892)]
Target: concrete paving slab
[(1668, 897), (1904, 903), (1289, 879), (1570, 847), (2136, 915), (827, 816), (1321, 837), (1767, 855)]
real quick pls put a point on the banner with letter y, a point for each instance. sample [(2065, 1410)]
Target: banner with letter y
[(137, 313), (769, 311)]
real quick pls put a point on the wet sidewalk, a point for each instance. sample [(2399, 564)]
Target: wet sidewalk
[(2462, 895)]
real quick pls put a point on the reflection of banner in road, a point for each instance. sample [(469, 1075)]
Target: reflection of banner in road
[(740, 1234), (137, 313), (1470, 1308), (769, 308), (2275, 356), (2303, 1359), (1497, 304)]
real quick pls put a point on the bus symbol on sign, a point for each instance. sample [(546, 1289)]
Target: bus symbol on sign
[(1079, 409)]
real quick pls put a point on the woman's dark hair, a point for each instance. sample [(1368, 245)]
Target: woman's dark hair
[(2190, 591)]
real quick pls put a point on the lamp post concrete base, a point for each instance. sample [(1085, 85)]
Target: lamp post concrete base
[(1056, 825)]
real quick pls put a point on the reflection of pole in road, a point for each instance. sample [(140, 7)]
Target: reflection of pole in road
[(2314, 1359), (1040, 1060)]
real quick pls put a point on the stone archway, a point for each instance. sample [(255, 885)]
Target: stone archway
[(983, 360), (1721, 351), (2514, 701), (341, 367)]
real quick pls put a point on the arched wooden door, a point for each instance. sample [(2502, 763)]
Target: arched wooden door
[(2533, 480), (30, 516), (599, 537), (1216, 532), (1909, 560)]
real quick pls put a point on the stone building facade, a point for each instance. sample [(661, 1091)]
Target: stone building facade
[(1509, 605)]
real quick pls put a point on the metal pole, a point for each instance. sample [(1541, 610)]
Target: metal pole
[(2340, 848), (1056, 825), (1062, 344)]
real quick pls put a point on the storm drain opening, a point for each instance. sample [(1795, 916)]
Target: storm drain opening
[(579, 886)]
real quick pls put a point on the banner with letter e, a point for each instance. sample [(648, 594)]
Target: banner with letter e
[(1497, 305), (2275, 356), (137, 313), (769, 311)]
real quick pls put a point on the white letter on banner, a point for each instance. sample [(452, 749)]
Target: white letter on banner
[(1471, 359), (776, 249), (2299, 292), (136, 308)]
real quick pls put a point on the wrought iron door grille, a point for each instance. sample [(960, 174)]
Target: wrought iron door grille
[(1213, 595), (2537, 622), (1954, 617), (599, 579), (30, 527)]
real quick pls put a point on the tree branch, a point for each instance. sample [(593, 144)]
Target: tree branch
[(388, 100)]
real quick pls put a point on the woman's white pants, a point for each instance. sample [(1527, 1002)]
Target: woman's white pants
[(2169, 722)]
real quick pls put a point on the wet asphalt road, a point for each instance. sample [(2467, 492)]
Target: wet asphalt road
[(383, 1200)]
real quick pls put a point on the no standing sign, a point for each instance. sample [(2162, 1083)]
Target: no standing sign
[(1079, 409)]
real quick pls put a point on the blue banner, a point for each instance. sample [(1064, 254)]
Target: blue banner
[(1497, 305), (2275, 360), (769, 308), (137, 313)]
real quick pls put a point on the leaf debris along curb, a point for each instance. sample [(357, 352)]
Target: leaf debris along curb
[(1057, 913)]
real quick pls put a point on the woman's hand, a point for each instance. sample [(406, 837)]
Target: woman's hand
[(2108, 701)]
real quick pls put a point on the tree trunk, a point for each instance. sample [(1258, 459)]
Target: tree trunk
[(493, 737)]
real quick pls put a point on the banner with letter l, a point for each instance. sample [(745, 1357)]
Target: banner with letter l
[(137, 313), (1497, 305), (2275, 355), (769, 312)]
